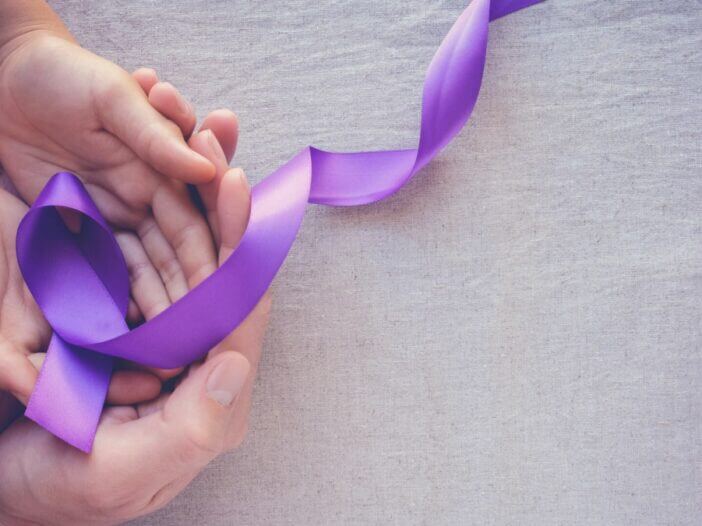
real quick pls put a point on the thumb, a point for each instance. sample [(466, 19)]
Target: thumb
[(191, 429), (126, 112)]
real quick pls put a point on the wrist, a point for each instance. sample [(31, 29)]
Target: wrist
[(22, 21)]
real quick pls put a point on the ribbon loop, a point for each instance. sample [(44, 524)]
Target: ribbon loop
[(79, 280)]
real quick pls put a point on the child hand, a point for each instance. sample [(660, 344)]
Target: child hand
[(66, 109)]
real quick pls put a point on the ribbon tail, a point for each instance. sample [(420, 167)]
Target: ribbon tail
[(500, 8), (70, 393)]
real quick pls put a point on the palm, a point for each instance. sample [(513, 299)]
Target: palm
[(40, 138)]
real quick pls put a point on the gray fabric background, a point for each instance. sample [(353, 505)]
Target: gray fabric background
[(515, 337)]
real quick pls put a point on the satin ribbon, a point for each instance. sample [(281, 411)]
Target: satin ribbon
[(81, 284)]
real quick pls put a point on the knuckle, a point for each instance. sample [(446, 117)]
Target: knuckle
[(183, 235), (172, 128), (147, 228), (138, 270), (154, 309), (200, 442), (202, 272), (169, 268), (108, 499)]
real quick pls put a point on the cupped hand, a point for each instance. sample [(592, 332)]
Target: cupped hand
[(24, 333), (65, 109), (143, 455)]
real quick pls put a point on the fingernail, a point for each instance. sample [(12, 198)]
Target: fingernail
[(227, 379), (213, 143), (182, 104), (243, 179)]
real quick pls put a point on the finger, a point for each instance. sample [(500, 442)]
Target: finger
[(17, 373), (146, 78), (186, 231), (165, 98), (234, 204), (150, 407), (148, 290), (206, 143), (112, 415), (10, 410), (161, 374), (247, 339), (152, 290), (125, 111), (164, 258), (238, 425), (233, 209), (191, 428), (164, 374), (134, 314), (248, 336), (210, 392), (224, 124), (127, 386), (132, 387)]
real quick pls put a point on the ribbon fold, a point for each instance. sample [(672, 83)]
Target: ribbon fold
[(81, 283)]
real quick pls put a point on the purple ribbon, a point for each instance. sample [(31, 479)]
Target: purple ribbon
[(81, 284)]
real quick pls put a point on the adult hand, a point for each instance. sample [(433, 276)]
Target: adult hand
[(144, 455)]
